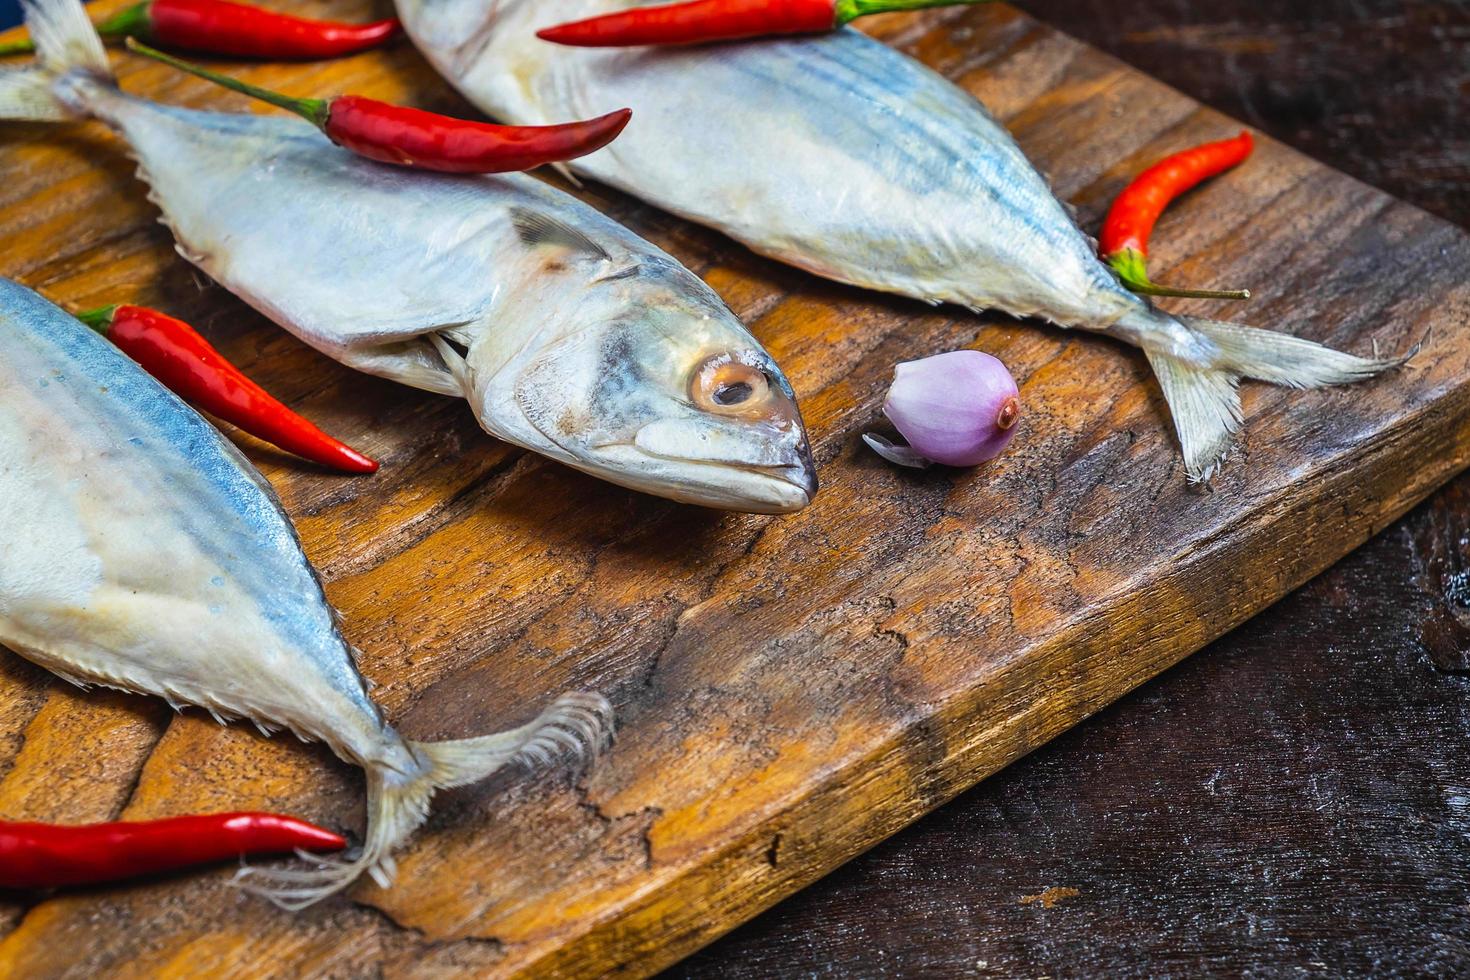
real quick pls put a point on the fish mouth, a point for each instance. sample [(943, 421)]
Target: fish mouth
[(747, 488), (791, 488), (768, 476)]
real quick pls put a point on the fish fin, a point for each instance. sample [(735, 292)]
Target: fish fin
[(566, 172), (1282, 359), (575, 725), (411, 362), (66, 42), (620, 272), (454, 361), (579, 725), (73, 679), (1205, 407), (26, 94), (536, 228), (1201, 389), (64, 36)]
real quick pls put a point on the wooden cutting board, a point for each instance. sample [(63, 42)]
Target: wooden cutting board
[(790, 690)]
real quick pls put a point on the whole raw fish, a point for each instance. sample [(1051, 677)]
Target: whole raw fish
[(568, 334), (142, 551), (844, 157)]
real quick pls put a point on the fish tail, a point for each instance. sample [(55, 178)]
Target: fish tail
[(575, 725), (1200, 368), (66, 44)]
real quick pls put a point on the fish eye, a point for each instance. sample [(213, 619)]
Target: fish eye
[(729, 387), (732, 393)]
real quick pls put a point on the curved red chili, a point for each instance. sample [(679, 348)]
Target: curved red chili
[(40, 855), (186, 363), (699, 21), (237, 30), (1130, 221), (415, 138)]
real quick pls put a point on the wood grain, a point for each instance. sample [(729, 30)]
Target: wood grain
[(1292, 797), (1376, 88), (1289, 801), (790, 690)]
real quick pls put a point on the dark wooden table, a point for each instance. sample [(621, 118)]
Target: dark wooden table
[(1296, 797)]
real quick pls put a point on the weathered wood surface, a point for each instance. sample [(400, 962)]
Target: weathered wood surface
[(1376, 88), (1291, 799), (791, 690)]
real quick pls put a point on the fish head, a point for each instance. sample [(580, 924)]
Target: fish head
[(651, 382)]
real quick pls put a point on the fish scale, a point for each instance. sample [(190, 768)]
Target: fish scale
[(457, 284), (839, 155), (144, 552)]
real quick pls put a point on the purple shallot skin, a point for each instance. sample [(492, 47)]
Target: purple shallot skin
[(958, 408)]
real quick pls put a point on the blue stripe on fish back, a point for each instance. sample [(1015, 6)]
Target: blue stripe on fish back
[(933, 135), (340, 169), (445, 235), (259, 545), (146, 400), (884, 87)]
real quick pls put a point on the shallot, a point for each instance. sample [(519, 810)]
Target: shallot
[(959, 408)]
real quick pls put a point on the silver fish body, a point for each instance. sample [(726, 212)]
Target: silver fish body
[(835, 153), (842, 156), (142, 551), (568, 334)]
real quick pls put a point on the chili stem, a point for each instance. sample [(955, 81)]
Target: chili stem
[(850, 10), (1132, 269), (128, 21), (99, 319), (314, 111)]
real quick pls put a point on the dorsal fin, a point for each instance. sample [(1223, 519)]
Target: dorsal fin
[(626, 272), (536, 228)]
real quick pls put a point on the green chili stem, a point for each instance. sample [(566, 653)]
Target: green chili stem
[(125, 23), (1132, 269), (849, 10), (128, 22), (314, 111), (99, 319)]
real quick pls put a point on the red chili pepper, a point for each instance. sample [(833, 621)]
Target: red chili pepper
[(175, 354), (222, 27), (1130, 221), (698, 21), (43, 855), (415, 138)]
